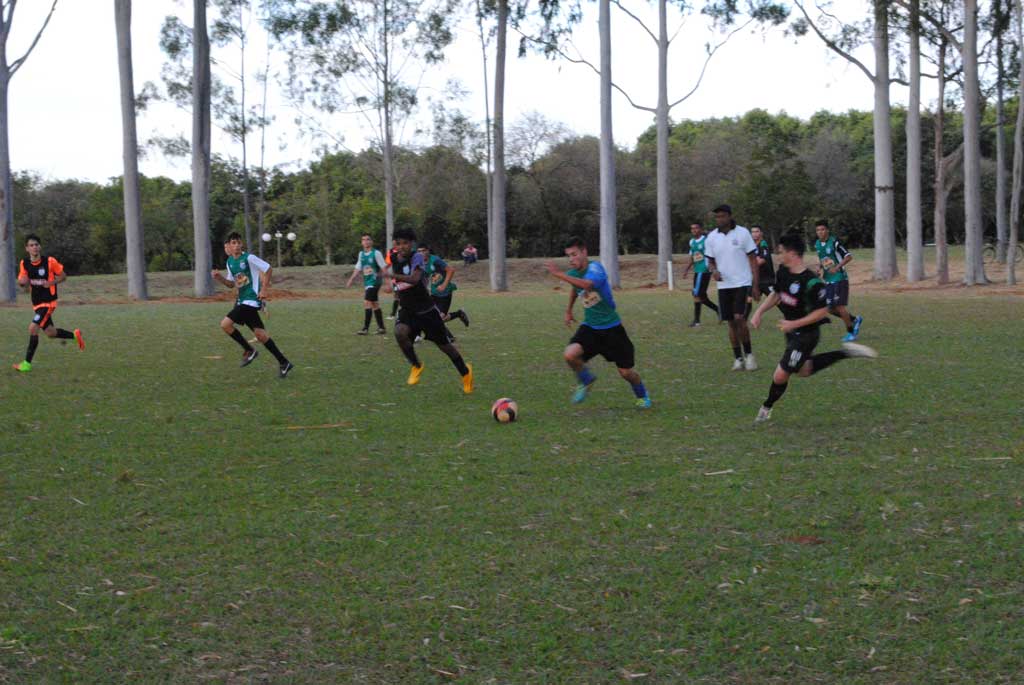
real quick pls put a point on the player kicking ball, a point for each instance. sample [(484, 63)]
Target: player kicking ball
[(418, 313), (250, 277), (800, 296), (41, 275), (601, 332)]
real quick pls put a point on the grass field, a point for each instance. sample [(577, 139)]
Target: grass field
[(167, 516)]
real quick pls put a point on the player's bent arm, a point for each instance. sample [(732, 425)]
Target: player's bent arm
[(814, 317), (771, 301), (61, 277), (584, 283), (754, 290), (223, 281), (415, 277), (449, 273)]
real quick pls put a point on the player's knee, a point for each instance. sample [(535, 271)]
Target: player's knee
[(572, 353), (261, 335), (227, 325), (50, 331), (780, 376), (630, 375), (807, 369), (33, 329)]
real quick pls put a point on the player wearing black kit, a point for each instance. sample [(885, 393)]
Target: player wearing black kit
[(800, 296)]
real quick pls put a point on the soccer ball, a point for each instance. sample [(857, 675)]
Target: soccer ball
[(505, 410)]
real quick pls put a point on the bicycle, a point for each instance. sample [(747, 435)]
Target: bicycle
[(988, 254)]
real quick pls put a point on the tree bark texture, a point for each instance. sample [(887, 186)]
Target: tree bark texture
[(885, 204), (664, 205), (1018, 156), (915, 237), (499, 190), (609, 244), (974, 268), (202, 282)]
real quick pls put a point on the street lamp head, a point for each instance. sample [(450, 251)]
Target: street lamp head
[(266, 237), (278, 235), (291, 236)]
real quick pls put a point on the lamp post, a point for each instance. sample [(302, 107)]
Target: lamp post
[(277, 234)]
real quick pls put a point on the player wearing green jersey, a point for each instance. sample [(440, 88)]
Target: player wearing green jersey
[(601, 332), (701, 275), (250, 277), (833, 257), (800, 296), (440, 275), (371, 265)]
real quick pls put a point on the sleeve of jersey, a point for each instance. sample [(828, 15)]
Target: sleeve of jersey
[(596, 274), (709, 248), (358, 264), (748, 243), (21, 269), (816, 296), (380, 260), (841, 251), (56, 268), (417, 262), (258, 264), (440, 264)]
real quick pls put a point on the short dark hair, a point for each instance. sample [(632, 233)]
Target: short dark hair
[(32, 236), (366, 235), (575, 241), (793, 242), (821, 222), (404, 234), (697, 224), (234, 235), (758, 227), (423, 246), (722, 208)]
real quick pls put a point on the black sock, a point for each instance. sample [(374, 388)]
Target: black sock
[(736, 353), (747, 349), (33, 343), (237, 336), (272, 347), (65, 335), (408, 349), (394, 308), (460, 364), (367, 315), (696, 312), (849, 328), (711, 305), (820, 362), (774, 393), (379, 315)]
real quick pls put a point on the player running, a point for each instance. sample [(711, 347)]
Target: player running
[(442, 284), (370, 263), (701, 275), (418, 312), (731, 252), (40, 275), (388, 259), (601, 332), (765, 264), (834, 257), (800, 296), (250, 276)]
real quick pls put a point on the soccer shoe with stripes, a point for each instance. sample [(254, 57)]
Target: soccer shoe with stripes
[(24, 367), (467, 380), (414, 375), (79, 339), (856, 324), (855, 350), (285, 369), (248, 356), (643, 403), (581, 392), (763, 414)]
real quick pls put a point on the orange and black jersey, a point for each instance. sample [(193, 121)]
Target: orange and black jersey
[(38, 273)]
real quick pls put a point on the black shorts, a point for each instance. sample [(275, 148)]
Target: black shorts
[(371, 293), (443, 302), (611, 343), (837, 294), (799, 348), (765, 287), (42, 315), (429, 323), (700, 284), (732, 302), (246, 315)]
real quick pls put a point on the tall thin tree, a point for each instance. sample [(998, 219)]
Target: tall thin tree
[(974, 267), (609, 231), (499, 188), (1018, 153), (8, 282), (203, 259), (915, 238), (135, 255), (1000, 18)]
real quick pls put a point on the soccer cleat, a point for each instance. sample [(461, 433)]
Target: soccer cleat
[(284, 369), (414, 375), (643, 402), (695, 324), (854, 350), (24, 367), (248, 356), (79, 339), (850, 337), (381, 331), (418, 339), (750, 362), (363, 331), (856, 325), (737, 364), (581, 392), (467, 380), (389, 317), (763, 414), (464, 317)]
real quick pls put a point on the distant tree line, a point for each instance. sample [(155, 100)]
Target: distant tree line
[(776, 170)]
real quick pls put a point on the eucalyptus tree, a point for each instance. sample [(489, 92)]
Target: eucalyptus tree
[(203, 257), (345, 55), (915, 224), (1018, 151), (135, 254), (8, 68), (1000, 23)]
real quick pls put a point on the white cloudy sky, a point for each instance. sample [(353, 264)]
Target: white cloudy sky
[(65, 120)]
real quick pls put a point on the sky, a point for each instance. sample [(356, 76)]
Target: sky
[(65, 115)]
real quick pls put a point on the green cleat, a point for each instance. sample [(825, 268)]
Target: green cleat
[(23, 367), (643, 403)]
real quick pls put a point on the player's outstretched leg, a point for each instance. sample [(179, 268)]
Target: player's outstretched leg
[(780, 381), (404, 338), (284, 366), (643, 400), (573, 356), (249, 353), (465, 370), (33, 343)]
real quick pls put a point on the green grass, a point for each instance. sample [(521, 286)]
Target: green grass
[(160, 522)]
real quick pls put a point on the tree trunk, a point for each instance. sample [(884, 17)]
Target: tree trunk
[(974, 269), (135, 256), (203, 283), (487, 124), (664, 206), (1001, 218), (244, 136), (262, 209), (389, 178), (1018, 156), (941, 196), (609, 234), (885, 204), (915, 239), (496, 249), (8, 261)]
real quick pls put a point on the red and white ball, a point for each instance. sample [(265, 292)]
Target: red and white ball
[(505, 410)]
